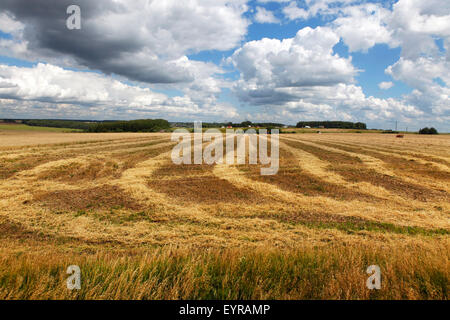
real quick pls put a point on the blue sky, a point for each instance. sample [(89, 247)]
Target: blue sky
[(281, 60)]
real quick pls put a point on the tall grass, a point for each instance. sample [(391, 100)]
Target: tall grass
[(335, 272)]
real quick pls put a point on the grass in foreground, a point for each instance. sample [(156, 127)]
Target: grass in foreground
[(334, 272)]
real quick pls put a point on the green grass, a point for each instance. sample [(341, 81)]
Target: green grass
[(23, 127)]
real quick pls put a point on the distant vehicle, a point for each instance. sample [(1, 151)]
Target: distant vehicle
[(400, 136), (307, 127)]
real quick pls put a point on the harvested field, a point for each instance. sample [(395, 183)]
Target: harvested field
[(141, 227)]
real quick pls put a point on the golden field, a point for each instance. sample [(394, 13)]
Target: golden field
[(141, 227)]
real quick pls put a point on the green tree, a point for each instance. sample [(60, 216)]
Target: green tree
[(427, 130)]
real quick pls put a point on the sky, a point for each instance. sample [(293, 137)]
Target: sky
[(379, 62)]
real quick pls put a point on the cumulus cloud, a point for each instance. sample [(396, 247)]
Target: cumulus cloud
[(363, 26), (421, 74), (305, 60), (301, 77), (146, 42), (264, 16), (47, 87), (339, 102), (410, 24), (292, 12), (142, 40), (312, 8), (414, 26), (360, 25), (385, 85), (9, 25), (423, 66)]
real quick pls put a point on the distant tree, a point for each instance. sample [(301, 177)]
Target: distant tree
[(71, 124), (427, 130), (131, 126), (360, 125)]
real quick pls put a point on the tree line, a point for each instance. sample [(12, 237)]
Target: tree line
[(243, 124), (332, 124), (148, 125), (69, 124)]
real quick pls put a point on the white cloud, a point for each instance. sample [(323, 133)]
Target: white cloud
[(338, 102), (292, 12), (362, 26), (385, 85), (302, 78), (312, 8), (264, 16), (421, 74), (411, 24), (416, 24), (51, 87), (46, 82), (9, 25), (305, 60)]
